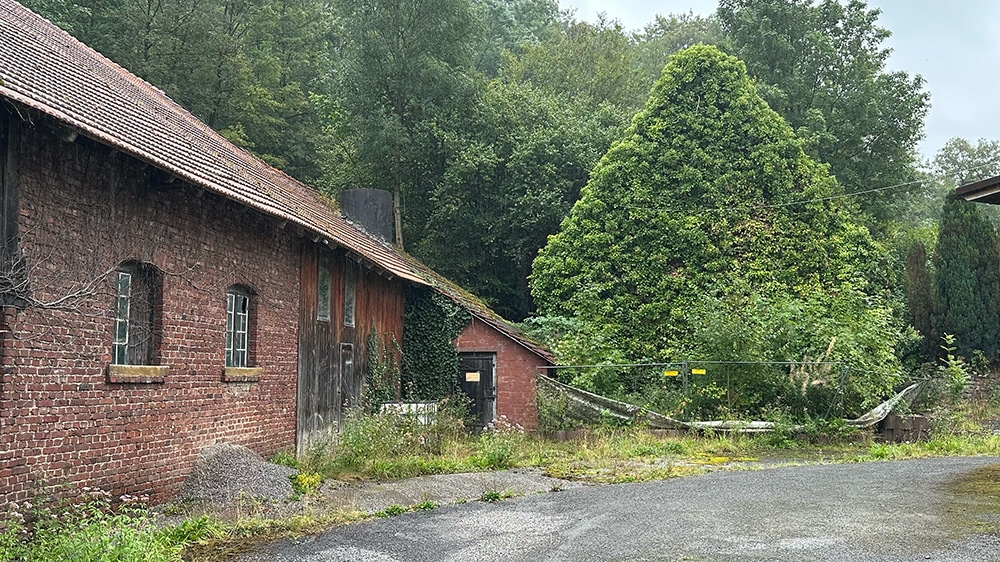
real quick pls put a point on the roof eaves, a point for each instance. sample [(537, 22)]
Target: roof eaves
[(986, 191), (107, 138), (478, 308)]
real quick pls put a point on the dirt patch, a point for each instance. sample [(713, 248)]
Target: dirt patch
[(975, 505)]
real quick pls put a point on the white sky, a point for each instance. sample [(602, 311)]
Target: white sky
[(954, 45)]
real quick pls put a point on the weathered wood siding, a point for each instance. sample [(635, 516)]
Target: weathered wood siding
[(333, 356)]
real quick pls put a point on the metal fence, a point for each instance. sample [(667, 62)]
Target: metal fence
[(699, 390)]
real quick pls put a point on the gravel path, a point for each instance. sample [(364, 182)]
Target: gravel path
[(231, 478), (899, 511)]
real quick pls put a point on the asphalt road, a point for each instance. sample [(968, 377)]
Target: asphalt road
[(885, 512)]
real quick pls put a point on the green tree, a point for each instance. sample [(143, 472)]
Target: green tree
[(516, 169), (709, 191), (592, 62), (962, 162), (666, 35), (967, 279), (405, 76), (512, 25), (251, 69), (821, 65), (920, 299)]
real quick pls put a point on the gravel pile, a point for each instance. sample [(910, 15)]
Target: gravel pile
[(226, 473)]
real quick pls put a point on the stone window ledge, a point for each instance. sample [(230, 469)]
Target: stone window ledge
[(241, 374), (137, 374)]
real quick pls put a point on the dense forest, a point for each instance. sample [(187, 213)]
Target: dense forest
[(628, 194)]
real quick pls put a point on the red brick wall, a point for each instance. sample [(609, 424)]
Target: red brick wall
[(515, 370), (83, 209)]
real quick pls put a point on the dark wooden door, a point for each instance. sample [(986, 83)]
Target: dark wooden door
[(477, 380)]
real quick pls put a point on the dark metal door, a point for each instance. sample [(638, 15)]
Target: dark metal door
[(477, 379)]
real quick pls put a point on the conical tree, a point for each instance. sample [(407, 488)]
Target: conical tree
[(708, 190), (919, 298), (967, 279)]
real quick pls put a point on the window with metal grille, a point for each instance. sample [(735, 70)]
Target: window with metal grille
[(136, 287), (237, 327)]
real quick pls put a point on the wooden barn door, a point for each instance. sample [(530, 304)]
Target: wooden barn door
[(320, 389), (477, 378)]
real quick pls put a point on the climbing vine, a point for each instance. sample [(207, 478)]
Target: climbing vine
[(430, 360)]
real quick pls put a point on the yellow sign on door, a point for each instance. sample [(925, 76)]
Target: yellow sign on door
[(472, 376)]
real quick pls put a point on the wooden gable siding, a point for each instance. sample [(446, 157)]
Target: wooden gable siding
[(325, 390)]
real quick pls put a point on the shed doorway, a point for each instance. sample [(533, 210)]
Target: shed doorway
[(477, 379)]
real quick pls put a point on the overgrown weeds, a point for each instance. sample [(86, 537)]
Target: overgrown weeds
[(89, 527)]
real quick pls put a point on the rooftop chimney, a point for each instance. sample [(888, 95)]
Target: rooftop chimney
[(371, 209)]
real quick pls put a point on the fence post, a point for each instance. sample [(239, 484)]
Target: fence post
[(684, 376)]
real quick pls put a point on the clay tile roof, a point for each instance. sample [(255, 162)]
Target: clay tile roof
[(479, 309), (46, 69)]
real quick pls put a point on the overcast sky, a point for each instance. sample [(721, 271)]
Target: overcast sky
[(954, 45)]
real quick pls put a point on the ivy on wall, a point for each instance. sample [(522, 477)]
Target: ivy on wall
[(430, 360)]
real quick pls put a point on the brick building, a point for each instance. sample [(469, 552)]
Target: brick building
[(163, 290)]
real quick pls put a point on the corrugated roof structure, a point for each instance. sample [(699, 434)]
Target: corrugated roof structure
[(985, 191), (46, 69)]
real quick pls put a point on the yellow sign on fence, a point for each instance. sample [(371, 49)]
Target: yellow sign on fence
[(670, 373), (697, 371)]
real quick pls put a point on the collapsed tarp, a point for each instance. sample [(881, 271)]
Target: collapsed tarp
[(593, 408)]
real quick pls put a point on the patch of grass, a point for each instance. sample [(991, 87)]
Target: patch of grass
[(617, 471), (492, 496), (285, 458), (392, 511), (499, 445), (940, 446), (240, 535)]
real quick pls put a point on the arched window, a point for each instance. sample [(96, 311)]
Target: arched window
[(238, 310), (137, 292)]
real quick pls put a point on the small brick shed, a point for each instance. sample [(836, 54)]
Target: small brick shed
[(163, 290)]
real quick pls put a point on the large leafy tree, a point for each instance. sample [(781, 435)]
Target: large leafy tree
[(967, 279), (589, 62), (708, 193), (511, 25), (666, 35), (961, 162), (514, 173), (405, 75), (821, 65), (248, 68)]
